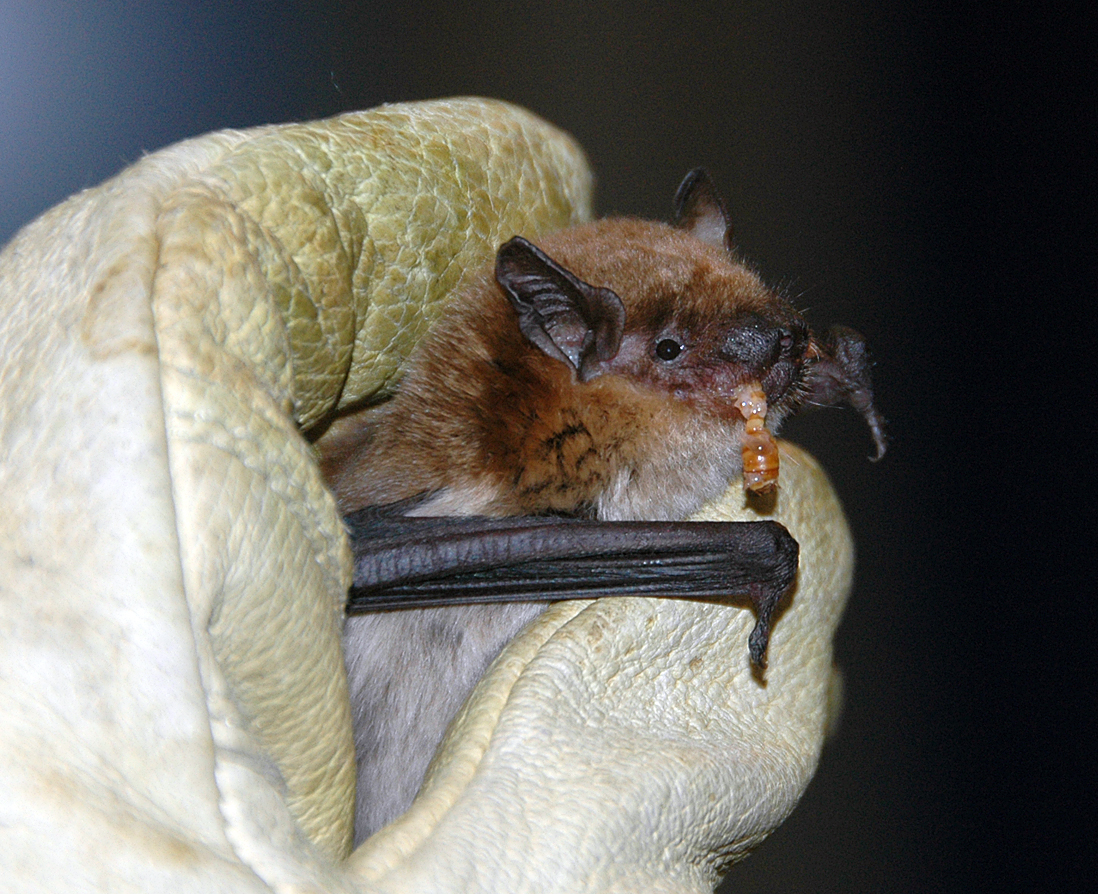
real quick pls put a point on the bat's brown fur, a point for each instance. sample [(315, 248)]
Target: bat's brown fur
[(483, 413)]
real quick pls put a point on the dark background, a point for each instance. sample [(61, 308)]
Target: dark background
[(920, 173)]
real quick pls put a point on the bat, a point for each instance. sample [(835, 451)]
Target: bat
[(548, 438)]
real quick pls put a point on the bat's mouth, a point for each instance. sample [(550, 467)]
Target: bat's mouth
[(769, 353), (780, 384)]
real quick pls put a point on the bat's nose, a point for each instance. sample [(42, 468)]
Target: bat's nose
[(755, 343)]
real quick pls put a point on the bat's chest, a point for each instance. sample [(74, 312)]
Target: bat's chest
[(563, 469), (581, 471)]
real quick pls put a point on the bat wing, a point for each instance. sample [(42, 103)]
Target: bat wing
[(414, 562)]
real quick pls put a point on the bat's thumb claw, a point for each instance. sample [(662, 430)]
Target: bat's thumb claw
[(758, 641)]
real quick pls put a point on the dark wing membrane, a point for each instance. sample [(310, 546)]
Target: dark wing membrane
[(403, 562)]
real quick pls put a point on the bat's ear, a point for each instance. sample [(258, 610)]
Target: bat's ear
[(700, 210), (558, 312)]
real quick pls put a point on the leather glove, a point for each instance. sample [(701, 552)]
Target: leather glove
[(173, 570)]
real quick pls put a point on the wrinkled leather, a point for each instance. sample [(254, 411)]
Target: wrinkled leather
[(172, 569)]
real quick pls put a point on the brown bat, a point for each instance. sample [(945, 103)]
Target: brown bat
[(549, 436)]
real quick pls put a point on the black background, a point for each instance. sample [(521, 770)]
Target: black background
[(916, 171)]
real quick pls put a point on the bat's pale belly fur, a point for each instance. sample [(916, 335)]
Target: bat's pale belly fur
[(434, 658), (411, 671)]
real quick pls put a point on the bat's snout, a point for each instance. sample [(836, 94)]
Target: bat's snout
[(755, 343), (766, 352)]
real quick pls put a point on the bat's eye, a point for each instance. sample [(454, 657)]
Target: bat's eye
[(668, 349)]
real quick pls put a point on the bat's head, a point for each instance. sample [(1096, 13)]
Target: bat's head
[(642, 375), (671, 310)]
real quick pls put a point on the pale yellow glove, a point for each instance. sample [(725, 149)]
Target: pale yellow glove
[(172, 570)]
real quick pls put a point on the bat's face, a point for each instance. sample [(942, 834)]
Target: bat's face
[(682, 347), (622, 369), (701, 327), (674, 352)]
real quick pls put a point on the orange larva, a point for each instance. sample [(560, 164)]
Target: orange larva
[(760, 450)]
